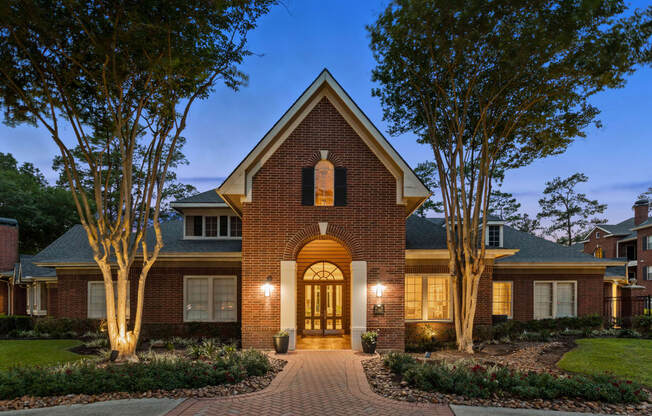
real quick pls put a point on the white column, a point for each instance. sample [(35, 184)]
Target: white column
[(358, 302), (289, 299)]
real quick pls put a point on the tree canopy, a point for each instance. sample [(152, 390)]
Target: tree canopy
[(42, 211), (571, 212), (490, 86), (427, 172)]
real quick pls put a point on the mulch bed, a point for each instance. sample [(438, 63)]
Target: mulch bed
[(248, 385), (527, 356)]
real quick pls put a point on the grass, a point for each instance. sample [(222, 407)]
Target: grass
[(36, 352), (625, 358)]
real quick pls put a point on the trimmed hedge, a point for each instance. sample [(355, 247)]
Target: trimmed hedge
[(474, 380), (65, 327), (514, 328), (10, 324), (163, 372)]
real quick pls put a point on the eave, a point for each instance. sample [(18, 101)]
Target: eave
[(439, 254)]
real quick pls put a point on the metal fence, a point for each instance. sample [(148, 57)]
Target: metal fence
[(620, 310)]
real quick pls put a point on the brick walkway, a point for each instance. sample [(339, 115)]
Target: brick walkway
[(312, 383)]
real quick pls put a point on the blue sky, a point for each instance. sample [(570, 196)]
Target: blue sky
[(301, 37)]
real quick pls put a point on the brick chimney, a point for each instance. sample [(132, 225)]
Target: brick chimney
[(641, 208), (8, 243)]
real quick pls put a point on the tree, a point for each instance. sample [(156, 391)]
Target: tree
[(504, 205), (492, 86), (570, 211), (40, 209), (172, 189), (128, 72), (646, 195), (427, 172), (527, 225)]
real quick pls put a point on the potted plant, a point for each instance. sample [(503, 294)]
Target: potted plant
[(281, 341), (369, 339)]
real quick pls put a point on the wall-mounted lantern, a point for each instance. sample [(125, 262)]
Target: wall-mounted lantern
[(379, 288), (379, 308), (268, 287)]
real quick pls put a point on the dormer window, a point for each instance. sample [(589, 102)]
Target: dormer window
[(212, 226), (323, 185), (597, 234), (494, 236)]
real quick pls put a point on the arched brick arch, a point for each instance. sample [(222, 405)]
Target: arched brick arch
[(312, 232), (332, 157)]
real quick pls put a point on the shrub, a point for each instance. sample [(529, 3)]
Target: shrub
[(399, 362), (421, 338), (13, 323), (514, 329), (474, 380), (65, 327), (153, 372), (643, 324)]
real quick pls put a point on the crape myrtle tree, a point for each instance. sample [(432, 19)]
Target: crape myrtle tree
[(571, 213), (491, 86), (132, 68), (427, 172)]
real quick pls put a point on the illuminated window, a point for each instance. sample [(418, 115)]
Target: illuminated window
[(598, 253), (324, 183), (502, 298), (427, 297), (323, 270)]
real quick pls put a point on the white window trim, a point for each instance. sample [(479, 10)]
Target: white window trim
[(500, 236), (554, 297), (88, 298), (36, 289), (649, 242), (210, 278), (511, 296), (203, 231), (597, 234), (424, 297)]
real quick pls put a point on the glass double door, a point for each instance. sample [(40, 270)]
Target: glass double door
[(324, 309)]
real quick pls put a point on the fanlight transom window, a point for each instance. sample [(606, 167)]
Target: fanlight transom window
[(323, 270)]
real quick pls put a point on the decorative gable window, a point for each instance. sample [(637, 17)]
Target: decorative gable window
[(212, 226), (323, 185), (494, 236)]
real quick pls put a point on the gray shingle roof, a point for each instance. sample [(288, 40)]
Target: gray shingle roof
[(29, 269), (622, 228), (431, 234), (208, 197), (615, 271), (8, 221), (73, 247)]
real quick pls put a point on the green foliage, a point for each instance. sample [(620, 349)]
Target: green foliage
[(399, 362), (619, 357), (283, 333), (65, 327), (543, 327), (12, 323), (427, 172), (643, 324), (369, 336), (421, 338), (42, 211), (571, 212), (154, 372), (470, 379)]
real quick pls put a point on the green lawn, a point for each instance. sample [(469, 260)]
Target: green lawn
[(36, 352), (625, 358)]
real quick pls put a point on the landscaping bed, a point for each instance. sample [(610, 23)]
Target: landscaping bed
[(525, 373), (206, 369)]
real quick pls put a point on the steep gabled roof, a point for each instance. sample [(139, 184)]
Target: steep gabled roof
[(208, 197), (237, 186)]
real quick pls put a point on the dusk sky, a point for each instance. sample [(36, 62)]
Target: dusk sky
[(300, 38)]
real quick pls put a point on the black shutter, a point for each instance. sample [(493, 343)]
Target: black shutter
[(340, 187), (308, 186)]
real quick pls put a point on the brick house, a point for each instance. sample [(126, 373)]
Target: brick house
[(631, 242), (313, 232)]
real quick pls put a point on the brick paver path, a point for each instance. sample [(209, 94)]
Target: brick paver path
[(312, 383)]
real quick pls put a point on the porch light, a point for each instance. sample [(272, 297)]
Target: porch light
[(379, 288), (267, 287)]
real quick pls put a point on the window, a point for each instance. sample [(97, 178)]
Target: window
[(502, 298), (427, 297), (223, 226), (37, 299), (647, 273), (323, 270), (647, 243), (324, 183), (210, 298), (493, 237), (597, 234), (555, 299), (97, 299), (598, 253)]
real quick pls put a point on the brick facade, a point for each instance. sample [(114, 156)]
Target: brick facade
[(374, 224), (8, 247), (608, 244), (644, 260)]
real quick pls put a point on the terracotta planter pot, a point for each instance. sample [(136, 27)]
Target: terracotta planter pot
[(368, 347), (281, 344)]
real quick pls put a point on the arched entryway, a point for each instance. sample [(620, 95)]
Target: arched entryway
[(323, 296)]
